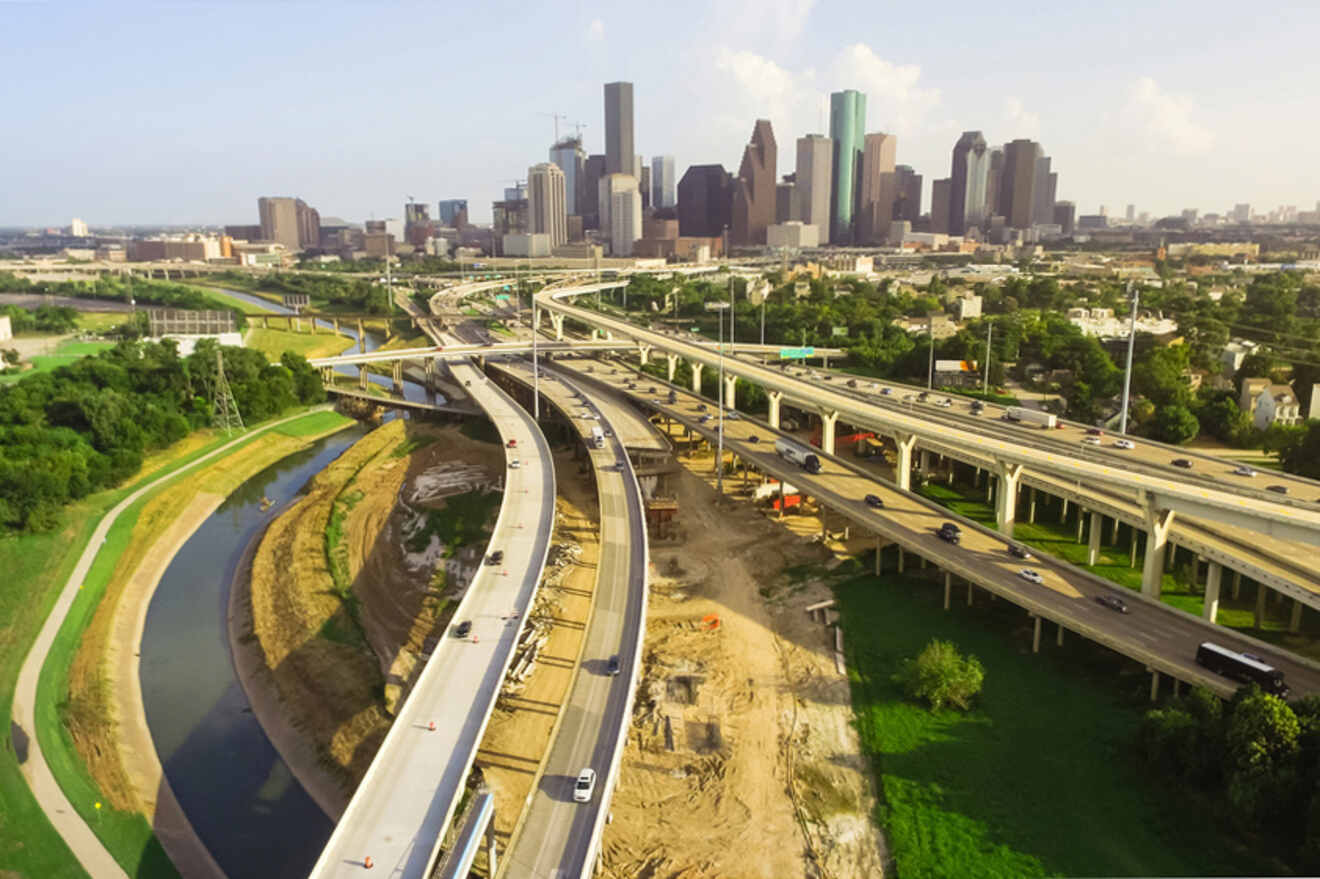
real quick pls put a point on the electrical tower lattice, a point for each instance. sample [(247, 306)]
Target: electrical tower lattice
[(227, 417)]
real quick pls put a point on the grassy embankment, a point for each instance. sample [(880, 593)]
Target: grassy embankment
[(1057, 539), (37, 566), (66, 352), (1040, 778)]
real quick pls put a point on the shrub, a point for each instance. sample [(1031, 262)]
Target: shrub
[(941, 676)]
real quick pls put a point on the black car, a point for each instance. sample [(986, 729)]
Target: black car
[(612, 667), (673, 397), (1277, 489), (1113, 602), (496, 557), (651, 389), (874, 501), (923, 396), (852, 382), (703, 419), (1183, 463), (1019, 552), (701, 407), (948, 531), (463, 629), (753, 439)]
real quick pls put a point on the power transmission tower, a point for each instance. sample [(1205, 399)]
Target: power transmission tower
[(226, 410)]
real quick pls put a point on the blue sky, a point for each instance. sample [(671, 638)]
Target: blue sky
[(186, 113)]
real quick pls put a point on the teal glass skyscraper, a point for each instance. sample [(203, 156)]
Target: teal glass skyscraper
[(848, 131)]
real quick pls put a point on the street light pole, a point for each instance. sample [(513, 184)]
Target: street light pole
[(719, 433), (930, 372), (536, 370), (1132, 340), (989, 334)]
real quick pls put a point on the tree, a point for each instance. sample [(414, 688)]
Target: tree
[(1260, 753), (1175, 424), (941, 676), (1160, 376)]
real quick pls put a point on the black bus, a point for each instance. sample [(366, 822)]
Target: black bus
[(1242, 667)]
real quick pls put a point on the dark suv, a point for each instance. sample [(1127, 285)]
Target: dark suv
[(496, 557), (950, 532)]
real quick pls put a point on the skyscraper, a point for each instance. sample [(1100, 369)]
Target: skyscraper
[(644, 184), (877, 191), (454, 212), (786, 206), (625, 212), (417, 223), (662, 182), (754, 190), (941, 192), (1017, 188), (546, 202), (967, 182), (994, 183), (571, 159), (815, 160), (279, 220), (847, 129), (907, 200), (705, 201), (619, 155), (592, 173), (1042, 196), (1065, 213), (1131, 214)]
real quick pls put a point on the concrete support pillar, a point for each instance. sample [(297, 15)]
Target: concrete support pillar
[(923, 563), (879, 559), (1154, 685), (671, 361), (1113, 532), (362, 377), (989, 490), (1010, 476), (900, 559), (1132, 549), (430, 373), (1212, 577), (1031, 507), (335, 323), (1093, 545), (1295, 621), (1237, 584), (265, 322), (1158, 523), (398, 377), (904, 443), (557, 321), (362, 337), (925, 461), (1063, 510), (1260, 605), (948, 588), (1059, 637), (730, 388), (774, 397), (327, 375), (1035, 637), (827, 422), (1081, 523), (696, 376), (644, 354)]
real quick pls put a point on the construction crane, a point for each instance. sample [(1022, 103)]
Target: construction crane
[(556, 117), (579, 126)]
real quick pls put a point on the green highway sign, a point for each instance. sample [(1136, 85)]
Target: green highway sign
[(796, 353), (502, 297)]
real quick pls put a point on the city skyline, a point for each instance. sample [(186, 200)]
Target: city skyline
[(1177, 120)]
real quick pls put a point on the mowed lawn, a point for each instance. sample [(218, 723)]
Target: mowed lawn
[(1039, 779), (66, 352)]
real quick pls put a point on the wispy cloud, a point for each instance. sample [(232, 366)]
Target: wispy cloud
[(1165, 120), (1018, 121), (896, 101), (596, 30)]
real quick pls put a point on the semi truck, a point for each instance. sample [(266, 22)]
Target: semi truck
[(597, 437), (799, 455), (1031, 416)]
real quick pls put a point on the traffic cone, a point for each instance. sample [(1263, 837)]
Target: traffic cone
[(367, 862), (431, 726), (474, 639)]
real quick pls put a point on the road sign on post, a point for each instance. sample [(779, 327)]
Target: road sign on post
[(796, 353)]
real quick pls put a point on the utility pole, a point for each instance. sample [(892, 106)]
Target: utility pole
[(930, 372), (989, 334), (1132, 341), (536, 370), (719, 435)]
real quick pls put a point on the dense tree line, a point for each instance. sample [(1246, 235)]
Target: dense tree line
[(1255, 760), (87, 425), (118, 289), (360, 295), (43, 319)]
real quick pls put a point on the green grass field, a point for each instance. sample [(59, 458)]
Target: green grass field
[(66, 352), (274, 342), (1038, 778), (100, 321), (36, 567)]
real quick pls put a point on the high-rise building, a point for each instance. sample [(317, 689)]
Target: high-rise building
[(454, 212), (907, 198), (1242, 213), (1042, 194), (754, 189), (508, 217), (994, 182), (877, 192), (625, 212), (619, 154), (644, 184), (546, 202), (1131, 214), (815, 161), (941, 192), (1017, 188), (847, 131), (786, 207), (417, 223), (967, 182), (705, 201), (279, 220), (663, 181), (569, 156), (516, 192), (1065, 214), (592, 173), (77, 228)]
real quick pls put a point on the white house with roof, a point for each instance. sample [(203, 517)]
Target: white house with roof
[(1270, 404)]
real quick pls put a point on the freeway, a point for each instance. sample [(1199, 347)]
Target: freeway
[(1163, 488), (557, 838), (1161, 637), (408, 796)]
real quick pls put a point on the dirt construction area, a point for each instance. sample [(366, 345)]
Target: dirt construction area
[(742, 760)]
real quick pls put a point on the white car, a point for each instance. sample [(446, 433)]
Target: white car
[(1031, 576), (585, 786), (514, 463), (946, 403), (1124, 444), (1243, 471), (1091, 440)]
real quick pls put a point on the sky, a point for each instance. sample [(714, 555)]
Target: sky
[(185, 113)]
